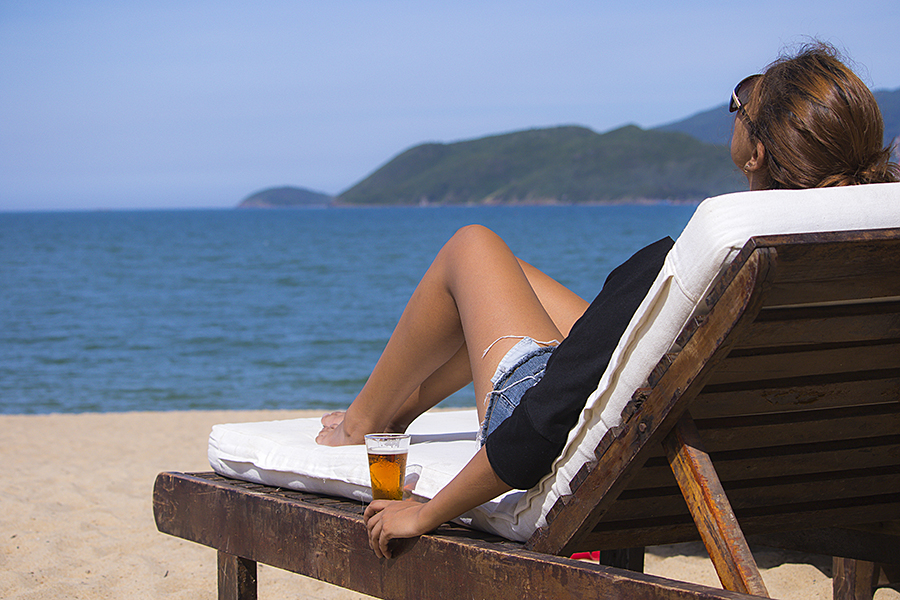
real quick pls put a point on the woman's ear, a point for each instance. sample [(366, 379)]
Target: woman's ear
[(756, 169), (757, 159)]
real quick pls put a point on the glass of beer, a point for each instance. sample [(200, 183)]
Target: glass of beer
[(387, 464)]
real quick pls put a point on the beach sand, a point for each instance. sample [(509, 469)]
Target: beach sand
[(76, 518)]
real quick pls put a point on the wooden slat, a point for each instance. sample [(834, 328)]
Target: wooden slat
[(795, 393), (834, 486), (800, 427), (667, 501), (803, 459), (804, 361), (816, 268), (792, 293), (796, 461), (845, 324), (711, 510), (330, 544), (795, 516)]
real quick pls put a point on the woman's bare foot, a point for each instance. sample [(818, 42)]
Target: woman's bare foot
[(334, 435), (333, 418)]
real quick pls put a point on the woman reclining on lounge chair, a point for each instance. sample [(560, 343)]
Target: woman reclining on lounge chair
[(534, 349)]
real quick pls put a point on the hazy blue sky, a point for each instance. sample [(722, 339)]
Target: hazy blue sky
[(198, 104)]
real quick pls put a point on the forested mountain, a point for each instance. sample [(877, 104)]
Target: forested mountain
[(686, 160), (561, 164)]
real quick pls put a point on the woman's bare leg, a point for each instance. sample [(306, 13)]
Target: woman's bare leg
[(451, 377), (564, 308), (474, 292), (562, 304)]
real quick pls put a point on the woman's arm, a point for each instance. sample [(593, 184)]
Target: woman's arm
[(474, 485)]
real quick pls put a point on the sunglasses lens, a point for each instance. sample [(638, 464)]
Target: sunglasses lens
[(741, 93)]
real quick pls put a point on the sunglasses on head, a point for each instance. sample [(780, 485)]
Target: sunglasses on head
[(736, 102)]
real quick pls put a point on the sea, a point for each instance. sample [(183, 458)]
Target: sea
[(166, 310)]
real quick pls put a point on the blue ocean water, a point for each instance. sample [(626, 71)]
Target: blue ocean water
[(248, 309)]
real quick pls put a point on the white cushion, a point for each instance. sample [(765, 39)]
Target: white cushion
[(285, 454)]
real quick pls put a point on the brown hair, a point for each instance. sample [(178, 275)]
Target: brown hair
[(819, 123)]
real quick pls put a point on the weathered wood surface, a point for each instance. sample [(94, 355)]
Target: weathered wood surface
[(834, 267), (797, 393), (236, 577), (853, 579), (808, 362), (711, 511), (326, 539), (805, 326)]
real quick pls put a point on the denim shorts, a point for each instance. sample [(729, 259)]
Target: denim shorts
[(521, 368)]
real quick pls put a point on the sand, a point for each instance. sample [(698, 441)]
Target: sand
[(76, 518)]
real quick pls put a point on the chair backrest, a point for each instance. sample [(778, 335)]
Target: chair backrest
[(793, 380)]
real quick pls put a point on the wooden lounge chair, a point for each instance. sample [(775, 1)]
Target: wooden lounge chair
[(778, 419)]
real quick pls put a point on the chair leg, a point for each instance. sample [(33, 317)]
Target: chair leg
[(237, 577), (711, 510), (853, 579), (627, 558), (891, 572)]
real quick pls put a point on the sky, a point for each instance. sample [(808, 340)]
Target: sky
[(180, 104)]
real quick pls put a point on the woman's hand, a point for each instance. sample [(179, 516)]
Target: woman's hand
[(387, 520), (474, 485)]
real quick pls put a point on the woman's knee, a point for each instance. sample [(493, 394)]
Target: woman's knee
[(475, 241), (473, 251)]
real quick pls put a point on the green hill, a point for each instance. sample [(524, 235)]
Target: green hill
[(285, 197), (563, 164), (713, 126), (685, 160)]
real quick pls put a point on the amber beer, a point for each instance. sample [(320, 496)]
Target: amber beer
[(387, 472), (387, 464)]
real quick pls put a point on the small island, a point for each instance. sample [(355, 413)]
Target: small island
[(286, 197)]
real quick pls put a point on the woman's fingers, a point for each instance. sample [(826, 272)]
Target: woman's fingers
[(374, 527), (374, 521), (374, 507), (383, 541), (388, 520), (379, 539)]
